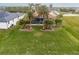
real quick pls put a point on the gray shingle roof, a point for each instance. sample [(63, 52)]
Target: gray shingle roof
[(5, 16)]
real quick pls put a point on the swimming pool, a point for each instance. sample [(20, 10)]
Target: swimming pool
[(37, 21)]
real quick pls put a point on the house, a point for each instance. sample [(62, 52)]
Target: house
[(8, 19), (39, 19), (76, 10), (53, 14)]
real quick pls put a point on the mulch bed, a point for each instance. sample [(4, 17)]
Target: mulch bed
[(26, 30), (47, 30)]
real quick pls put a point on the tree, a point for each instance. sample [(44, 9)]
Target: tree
[(48, 25), (36, 6), (60, 16), (43, 11), (23, 22), (30, 15), (59, 20)]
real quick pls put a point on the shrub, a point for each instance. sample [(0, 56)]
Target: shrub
[(27, 22), (60, 16), (58, 21), (48, 22), (22, 22)]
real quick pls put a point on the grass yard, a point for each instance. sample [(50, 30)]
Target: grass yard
[(63, 41)]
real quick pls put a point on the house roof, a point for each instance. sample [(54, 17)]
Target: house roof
[(5, 16), (51, 14), (35, 14)]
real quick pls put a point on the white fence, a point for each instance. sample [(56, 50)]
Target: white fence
[(71, 15)]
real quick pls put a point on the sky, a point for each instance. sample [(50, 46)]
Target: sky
[(54, 4)]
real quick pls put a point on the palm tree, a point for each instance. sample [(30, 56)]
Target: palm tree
[(30, 15), (42, 11), (48, 25), (36, 6)]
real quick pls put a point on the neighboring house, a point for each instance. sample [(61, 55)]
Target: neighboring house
[(77, 10), (8, 19)]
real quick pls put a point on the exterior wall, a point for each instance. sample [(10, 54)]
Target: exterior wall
[(10, 23), (15, 21), (3, 25)]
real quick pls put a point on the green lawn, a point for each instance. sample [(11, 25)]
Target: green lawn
[(63, 41)]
